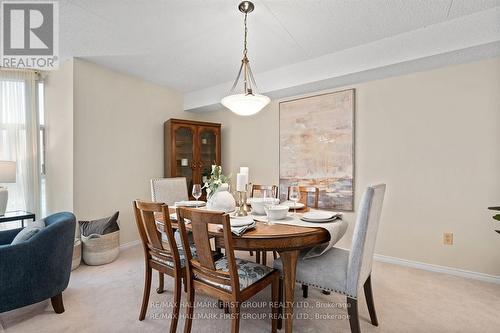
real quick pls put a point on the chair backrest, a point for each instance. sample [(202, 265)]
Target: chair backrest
[(169, 190), (154, 248), (203, 265), (365, 235), (259, 188), (307, 192)]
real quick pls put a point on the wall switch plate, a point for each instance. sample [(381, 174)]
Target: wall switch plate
[(448, 238)]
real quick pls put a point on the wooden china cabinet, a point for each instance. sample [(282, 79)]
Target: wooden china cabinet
[(191, 147)]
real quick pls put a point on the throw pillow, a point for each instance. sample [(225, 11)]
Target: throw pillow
[(102, 226), (27, 233)]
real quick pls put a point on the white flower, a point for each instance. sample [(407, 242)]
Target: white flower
[(209, 190)]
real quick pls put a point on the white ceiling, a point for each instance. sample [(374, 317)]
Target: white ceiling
[(191, 45)]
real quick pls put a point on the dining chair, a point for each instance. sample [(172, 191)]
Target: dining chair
[(345, 271), (261, 256), (229, 279), (307, 192), (169, 190), (159, 255)]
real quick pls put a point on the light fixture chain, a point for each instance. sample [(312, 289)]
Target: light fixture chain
[(245, 50)]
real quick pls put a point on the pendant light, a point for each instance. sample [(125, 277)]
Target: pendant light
[(249, 102)]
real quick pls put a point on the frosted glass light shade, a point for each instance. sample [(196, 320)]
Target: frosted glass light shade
[(7, 172), (245, 105)]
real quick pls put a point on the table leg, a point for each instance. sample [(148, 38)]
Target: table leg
[(289, 259)]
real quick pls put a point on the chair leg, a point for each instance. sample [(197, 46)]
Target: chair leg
[(264, 258), (147, 289), (161, 283), (275, 255), (57, 303), (189, 310), (177, 304), (352, 310), (257, 257), (235, 314), (280, 305), (275, 298), (251, 253), (369, 300), (305, 291)]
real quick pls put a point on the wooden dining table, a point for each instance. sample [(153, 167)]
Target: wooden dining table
[(287, 240)]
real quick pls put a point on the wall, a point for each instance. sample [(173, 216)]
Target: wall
[(118, 131), (59, 138), (432, 137)]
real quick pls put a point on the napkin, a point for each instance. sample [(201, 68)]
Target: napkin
[(238, 231)]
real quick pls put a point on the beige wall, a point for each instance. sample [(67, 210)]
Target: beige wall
[(59, 138), (118, 141), (433, 137)]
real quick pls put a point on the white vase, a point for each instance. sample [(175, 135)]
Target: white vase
[(222, 200)]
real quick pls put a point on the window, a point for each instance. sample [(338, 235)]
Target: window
[(22, 137)]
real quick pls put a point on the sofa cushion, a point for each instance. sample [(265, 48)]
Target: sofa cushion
[(31, 230), (102, 226)]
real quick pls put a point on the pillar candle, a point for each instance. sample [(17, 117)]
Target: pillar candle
[(244, 170), (241, 181)]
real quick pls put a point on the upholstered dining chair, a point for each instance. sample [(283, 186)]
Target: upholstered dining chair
[(345, 271), (228, 279), (169, 190), (159, 255), (307, 192), (261, 256)]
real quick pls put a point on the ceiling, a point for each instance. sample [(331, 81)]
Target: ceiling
[(190, 45)]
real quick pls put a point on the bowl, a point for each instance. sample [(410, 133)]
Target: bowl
[(278, 212), (258, 205)]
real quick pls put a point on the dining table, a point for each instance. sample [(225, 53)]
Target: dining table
[(288, 240)]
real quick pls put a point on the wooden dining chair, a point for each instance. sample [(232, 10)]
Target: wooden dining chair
[(307, 192), (228, 279), (261, 256), (161, 256), (344, 271)]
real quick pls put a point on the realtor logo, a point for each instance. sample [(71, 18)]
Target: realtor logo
[(29, 32)]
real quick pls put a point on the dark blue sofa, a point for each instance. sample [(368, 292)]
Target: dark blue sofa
[(37, 269)]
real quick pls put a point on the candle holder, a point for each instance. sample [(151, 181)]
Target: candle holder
[(240, 211)]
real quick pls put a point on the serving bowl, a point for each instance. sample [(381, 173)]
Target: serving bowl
[(258, 205), (278, 212)]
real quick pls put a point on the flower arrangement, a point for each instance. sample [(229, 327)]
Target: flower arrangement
[(215, 181)]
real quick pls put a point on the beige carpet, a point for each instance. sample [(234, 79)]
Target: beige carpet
[(107, 299)]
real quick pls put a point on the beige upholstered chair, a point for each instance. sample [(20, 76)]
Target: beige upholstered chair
[(169, 190), (344, 271)]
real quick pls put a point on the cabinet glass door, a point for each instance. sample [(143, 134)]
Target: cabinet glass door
[(208, 150), (184, 153)]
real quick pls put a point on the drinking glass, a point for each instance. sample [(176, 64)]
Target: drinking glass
[(197, 192), (268, 198), (294, 195)]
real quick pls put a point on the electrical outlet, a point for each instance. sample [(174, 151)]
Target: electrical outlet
[(448, 238)]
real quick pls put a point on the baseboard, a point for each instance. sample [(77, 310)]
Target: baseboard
[(130, 244), (439, 269)]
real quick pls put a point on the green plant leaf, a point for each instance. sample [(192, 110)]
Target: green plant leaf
[(497, 217), (494, 208)]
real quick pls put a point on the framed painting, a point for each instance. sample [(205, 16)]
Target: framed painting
[(317, 147)]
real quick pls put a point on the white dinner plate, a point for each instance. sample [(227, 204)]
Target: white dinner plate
[(318, 215), (263, 218), (294, 205), (190, 203), (318, 221)]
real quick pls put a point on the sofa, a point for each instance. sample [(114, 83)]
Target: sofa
[(38, 268)]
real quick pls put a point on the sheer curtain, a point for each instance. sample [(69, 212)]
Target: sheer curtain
[(19, 137)]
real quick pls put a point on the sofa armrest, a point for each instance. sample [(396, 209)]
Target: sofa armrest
[(7, 236), (15, 263)]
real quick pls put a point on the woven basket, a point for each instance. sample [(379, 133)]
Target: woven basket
[(101, 249), (77, 254)]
